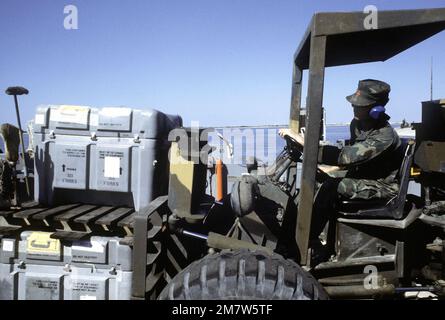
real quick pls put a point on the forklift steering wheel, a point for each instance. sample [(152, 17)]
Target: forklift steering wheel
[(294, 149)]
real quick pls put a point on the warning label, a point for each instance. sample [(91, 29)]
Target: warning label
[(118, 154), (85, 257), (85, 287), (74, 153), (45, 284), (42, 288)]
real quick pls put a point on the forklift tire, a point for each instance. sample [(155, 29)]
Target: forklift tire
[(243, 275)]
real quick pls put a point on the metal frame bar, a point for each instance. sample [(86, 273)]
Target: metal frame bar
[(397, 31), (141, 225), (297, 80), (312, 54), (312, 136)]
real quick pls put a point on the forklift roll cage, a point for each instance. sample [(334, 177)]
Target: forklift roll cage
[(335, 39)]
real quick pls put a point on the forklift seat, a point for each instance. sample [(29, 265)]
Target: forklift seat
[(383, 208)]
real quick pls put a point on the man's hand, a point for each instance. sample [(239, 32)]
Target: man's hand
[(289, 132)]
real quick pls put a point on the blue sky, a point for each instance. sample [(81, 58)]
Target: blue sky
[(220, 62)]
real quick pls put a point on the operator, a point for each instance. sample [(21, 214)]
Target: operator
[(370, 162)]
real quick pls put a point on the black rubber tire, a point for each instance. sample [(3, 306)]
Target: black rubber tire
[(243, 275)]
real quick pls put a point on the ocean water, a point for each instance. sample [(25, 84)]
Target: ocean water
[(336, 133), (263, 143)]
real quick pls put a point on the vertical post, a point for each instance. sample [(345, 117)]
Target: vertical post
[(142, 223), (23, 145), (295, 104), (311, 144), (294, 117), (140, 254)]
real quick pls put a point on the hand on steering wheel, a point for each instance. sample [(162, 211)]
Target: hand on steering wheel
[(294, 149), (293, 146), (297, 137)]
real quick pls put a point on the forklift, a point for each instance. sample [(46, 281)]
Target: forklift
[(120, 211), (392, 249)]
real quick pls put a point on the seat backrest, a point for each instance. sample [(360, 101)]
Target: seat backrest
[(394, 208), (403, 175)]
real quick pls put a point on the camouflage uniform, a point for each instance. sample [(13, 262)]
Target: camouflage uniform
[(372, 161), (372, 158)]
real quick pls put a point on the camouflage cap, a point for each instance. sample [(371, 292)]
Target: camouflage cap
[(370, 92)]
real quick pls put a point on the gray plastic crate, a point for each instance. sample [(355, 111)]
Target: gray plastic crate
[(108, 156), (38, 248), (45, 282), (38, 267), (8, 250), (7, 282), (8, 277), (102, 252), (121, 122)]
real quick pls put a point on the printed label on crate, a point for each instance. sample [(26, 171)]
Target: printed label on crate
[(85, 286), (70, 166), (113, 169), (44, 284), (65, 116), (93, 246), (93, 253), (85, 289), (42, 288)]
